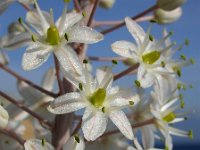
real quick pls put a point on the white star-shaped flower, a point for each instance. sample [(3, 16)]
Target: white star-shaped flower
[(147, 52), (101, 100), (51, 37)]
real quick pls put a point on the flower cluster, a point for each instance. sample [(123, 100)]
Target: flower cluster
[(151, 105)]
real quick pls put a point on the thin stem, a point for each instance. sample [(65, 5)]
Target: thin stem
[(25, 6), (111, 23), (13, 135), (78, 126), (93, 58), (125, 72), (57, 67), (93, 12), (137, 125), (134, 18), (27, 81), (77, 5), (23, 107)]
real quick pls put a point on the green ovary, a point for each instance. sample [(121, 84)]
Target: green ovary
[(151, 57), (98, 98), (170, 117), (53, 37)]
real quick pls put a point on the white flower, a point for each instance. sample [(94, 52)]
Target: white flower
[(54, 37), (3, 117), (148, 53), (36, 144), (165, 17), (101, 100), (170, 4), (165, 116)]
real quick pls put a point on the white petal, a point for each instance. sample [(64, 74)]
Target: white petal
[(36, 144), (69, 60), (3, 58), (66, 103), (3, 117), (131, 148), (82, 34), (145, 78), (28, 93), (17, 41), (72, 144), (121, 121), (125, 49), (94, 124), (33, 19), (67, 21), (32, 60), (27, 1), (49, 79), (136, 31), (147, 137)]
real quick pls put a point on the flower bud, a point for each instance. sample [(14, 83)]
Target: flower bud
[(3, 117), (106, 3), (164, 17), (15, 27), (170, 4)]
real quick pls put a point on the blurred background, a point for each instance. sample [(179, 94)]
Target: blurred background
[(186, 27)]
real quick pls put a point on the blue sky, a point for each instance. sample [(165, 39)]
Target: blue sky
[(186, 27)]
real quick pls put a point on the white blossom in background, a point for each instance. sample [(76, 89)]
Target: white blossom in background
[(3, 117), (147, 52), (101, 100), (165, 17), (166, 117), (36, 144), (51, 37), (5, 3), (170, 4)]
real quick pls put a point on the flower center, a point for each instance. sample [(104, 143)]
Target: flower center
[(151, 57), (53, 37), (170, 117), (98, 98)]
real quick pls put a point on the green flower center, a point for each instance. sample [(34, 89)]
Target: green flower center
[(170, 117), (151, 57), (98, 98), (53, 37)]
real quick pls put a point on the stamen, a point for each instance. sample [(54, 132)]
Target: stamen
[(43, 142), (137, 83), (77, 139)]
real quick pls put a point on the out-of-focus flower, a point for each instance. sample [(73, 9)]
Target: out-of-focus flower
[(3, 58), (107, 3), (5, 3), (148, 53), (36, 144), (101, 100), (54, 37), (3, 117), (170, 4), (164, 17), (75, 143)]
